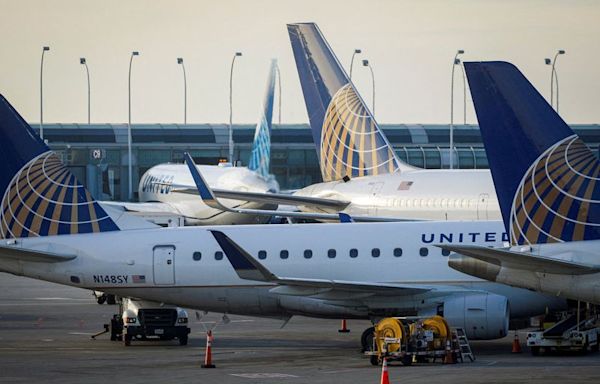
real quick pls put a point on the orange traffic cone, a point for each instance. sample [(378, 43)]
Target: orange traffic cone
[(516, 345), (449, 358), (208, 354), (385, 378), (344, 329)]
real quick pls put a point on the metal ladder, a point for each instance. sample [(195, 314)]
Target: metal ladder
[(463, 344)]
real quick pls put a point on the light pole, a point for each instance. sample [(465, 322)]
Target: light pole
[(231, 107), (454, 63), (554, 77), (356, 51), (366, 64), (180, 61), (279, 91), (44, 49), (464, 93), (83, 62), (129, 160)]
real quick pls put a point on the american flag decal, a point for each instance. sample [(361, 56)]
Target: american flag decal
[(138, 279), (405, 185)]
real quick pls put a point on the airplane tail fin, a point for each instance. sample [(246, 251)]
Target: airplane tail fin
[(546, 178), (348, 139), (40, 196), (260, 158)]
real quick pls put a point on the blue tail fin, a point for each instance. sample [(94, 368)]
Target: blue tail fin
[(349, 141), (260, 158), (40, 196), (545, 176)]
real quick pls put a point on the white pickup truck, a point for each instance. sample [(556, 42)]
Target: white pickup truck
[(147, 320)]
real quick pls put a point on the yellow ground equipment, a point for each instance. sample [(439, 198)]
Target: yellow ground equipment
[(412, 339)]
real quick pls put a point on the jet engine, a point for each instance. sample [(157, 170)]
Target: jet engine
[(483, 316)]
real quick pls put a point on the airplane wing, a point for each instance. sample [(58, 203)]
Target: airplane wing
[(209, 198), (272, 198), (525, 261), (14, 253), (140, 207), (248, 268)]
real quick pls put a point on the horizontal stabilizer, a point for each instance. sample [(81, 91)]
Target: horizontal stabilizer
[(22, 254), (248, 268), (523, 261)]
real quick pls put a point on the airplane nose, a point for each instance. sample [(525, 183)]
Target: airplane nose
[(474, 267)]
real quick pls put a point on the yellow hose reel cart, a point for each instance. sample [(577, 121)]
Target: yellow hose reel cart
[(410, 339)]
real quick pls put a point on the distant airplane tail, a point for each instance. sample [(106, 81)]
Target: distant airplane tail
[(545, 176), (260, 159), (349, 141), (40, 196)]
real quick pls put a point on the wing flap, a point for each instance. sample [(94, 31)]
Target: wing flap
[(525, 261)]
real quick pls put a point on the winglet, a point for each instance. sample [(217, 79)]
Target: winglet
[(204, 190), (246, 267), (345, 218)]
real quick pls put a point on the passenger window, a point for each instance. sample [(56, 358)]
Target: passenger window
[(353, 253), (307, 254), (423, 251), (197, 256), (284, 254), (218, 255), (375, 252), (331, 253), (262, 255), (445, 252), (397, 252)]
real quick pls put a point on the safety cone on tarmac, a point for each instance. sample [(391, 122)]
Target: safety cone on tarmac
[(385, 378), (344, 329), (208, 354), (449, 357), (516, 345)]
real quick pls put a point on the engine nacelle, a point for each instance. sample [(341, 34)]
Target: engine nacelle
[(483, 316)]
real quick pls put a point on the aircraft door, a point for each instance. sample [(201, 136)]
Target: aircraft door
[(164, 265), (482, 205), (375, 198)]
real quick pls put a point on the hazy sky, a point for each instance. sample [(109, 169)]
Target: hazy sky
[(410, 45)]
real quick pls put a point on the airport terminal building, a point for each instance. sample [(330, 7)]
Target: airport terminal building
[(97, 153)]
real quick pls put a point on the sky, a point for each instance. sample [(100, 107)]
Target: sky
[(410, 45)]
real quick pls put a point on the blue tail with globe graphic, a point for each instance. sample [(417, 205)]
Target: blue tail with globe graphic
[(348, 139), (40, 196), (546, 178)]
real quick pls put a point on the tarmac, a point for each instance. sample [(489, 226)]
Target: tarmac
[(45, 334)]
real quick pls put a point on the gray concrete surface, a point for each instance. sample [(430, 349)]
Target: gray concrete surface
[(45, 337)]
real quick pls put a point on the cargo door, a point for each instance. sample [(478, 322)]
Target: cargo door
[(164, 265)]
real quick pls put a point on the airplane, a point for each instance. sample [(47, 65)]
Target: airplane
[(362, 174), (52, 229), (159, 186), (549, 195), (358, 164)]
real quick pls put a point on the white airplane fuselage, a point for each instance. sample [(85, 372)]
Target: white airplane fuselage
[(132, 263), (419, 194), (157, 185)]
